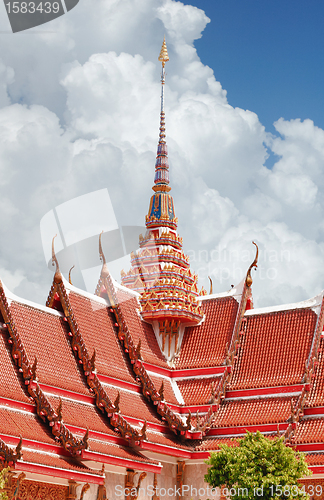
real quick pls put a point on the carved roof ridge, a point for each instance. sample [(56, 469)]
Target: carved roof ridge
[(205, 423), (103, 402), (44, 409), (174, 420), (8, 454)]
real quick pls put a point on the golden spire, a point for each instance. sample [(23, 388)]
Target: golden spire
[(164, 56)]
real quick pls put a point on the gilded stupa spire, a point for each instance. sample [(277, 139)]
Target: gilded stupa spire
[(164, 56), (162, 165), (160, 270)]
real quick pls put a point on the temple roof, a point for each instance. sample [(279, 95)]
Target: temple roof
[(154, 366)]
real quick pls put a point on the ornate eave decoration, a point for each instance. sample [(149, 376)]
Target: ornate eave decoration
[(43, 407)]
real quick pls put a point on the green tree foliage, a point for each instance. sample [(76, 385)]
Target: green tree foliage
[(258, 467), (3, 494)]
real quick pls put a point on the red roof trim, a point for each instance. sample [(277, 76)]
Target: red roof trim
[(165, 450), (121, 462), (35, 445), (154, 427), (11, 404), (246, 393), (119, 383), (309, 447), (316, 410), (193, 409), (56, 472), (201, 455), (187, 373), (55, 391), (108, 438), (251, 428), (317, 469)]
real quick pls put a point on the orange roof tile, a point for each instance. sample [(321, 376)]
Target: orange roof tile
[(83, 415), (309, 430), (168, 440), (130, 405), (253, 412), (169, 395), (315, 459), (27, 425), (198, 391), (11, 381), (45, 335), (273, 349), (117, 451), (52, 460), (96, 327), (139, 329), (316, 396), (205, 345), (213, 443)]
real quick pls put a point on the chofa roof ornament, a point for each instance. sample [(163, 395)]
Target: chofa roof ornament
[(70, 272), (57, 276), (248, 279), (104, 270)]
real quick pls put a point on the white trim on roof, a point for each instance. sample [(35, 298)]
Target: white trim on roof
[(11, 297), (125, 289), (84, 293), (314, 303), (235, 292)]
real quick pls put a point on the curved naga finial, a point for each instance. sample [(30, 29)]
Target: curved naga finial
[(248, 279), (101, 254), (54, 259), (85, 488), (70, 271), (211, 285), (57, 275), (104, 270)]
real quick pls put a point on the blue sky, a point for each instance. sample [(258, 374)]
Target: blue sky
[(268, 55)]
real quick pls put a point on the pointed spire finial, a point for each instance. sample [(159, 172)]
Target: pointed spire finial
[(164, 56), (161, 177)]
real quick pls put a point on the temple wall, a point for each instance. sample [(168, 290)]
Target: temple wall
[(314, 487), (167, 481), (193, 481), (114, 483)]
